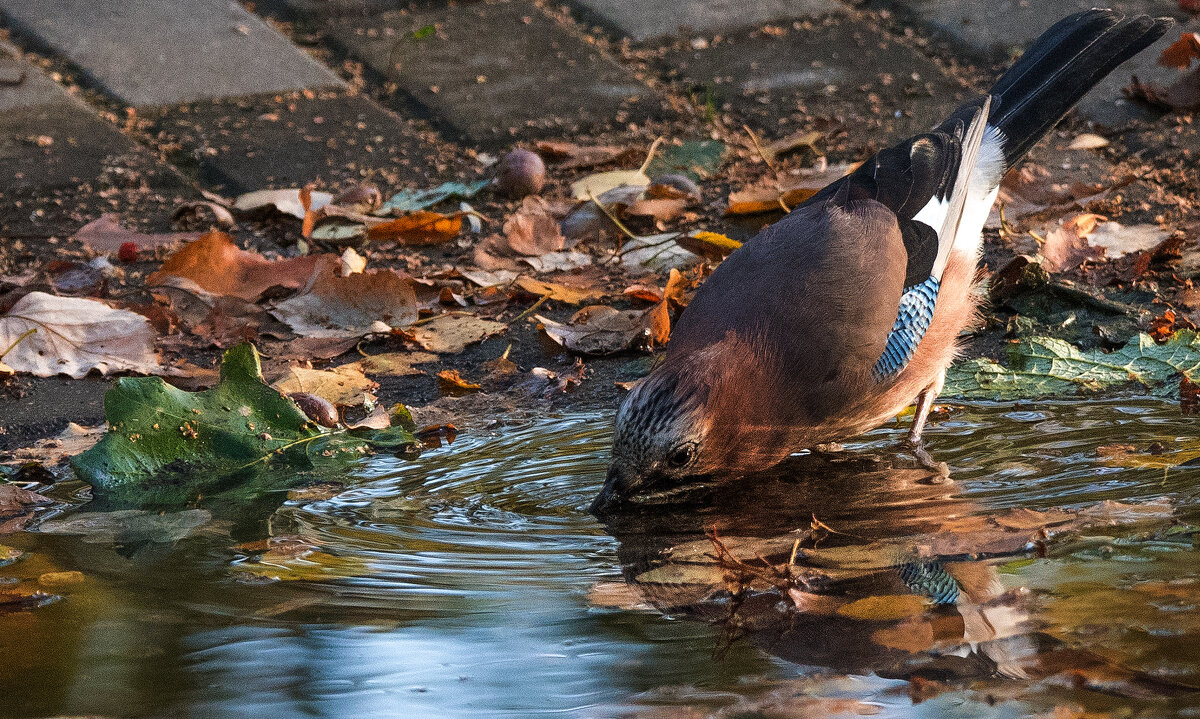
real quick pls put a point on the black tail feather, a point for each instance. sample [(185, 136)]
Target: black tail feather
[(1060, 68)]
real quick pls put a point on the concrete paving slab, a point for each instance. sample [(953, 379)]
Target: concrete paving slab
[(169, 51), (50, 140), (839, 75), (496, 71), (253, 143), (647, 19), (996, 29)]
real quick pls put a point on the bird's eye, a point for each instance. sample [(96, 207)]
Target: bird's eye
[(681, 456)]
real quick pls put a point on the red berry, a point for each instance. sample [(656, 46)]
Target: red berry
[(128, 252)]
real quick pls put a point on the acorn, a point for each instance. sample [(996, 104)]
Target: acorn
[(521, 173), (318, 409)]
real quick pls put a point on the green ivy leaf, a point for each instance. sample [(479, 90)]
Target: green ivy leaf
[(1049, 367), (165, 445)]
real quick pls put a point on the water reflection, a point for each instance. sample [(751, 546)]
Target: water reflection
[(465, 585)]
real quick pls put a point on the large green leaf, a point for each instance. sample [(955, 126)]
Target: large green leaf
[(1049, 367), (165, 445)]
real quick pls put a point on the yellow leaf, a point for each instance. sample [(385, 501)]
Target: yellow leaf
[(601, 182), (712, 245)]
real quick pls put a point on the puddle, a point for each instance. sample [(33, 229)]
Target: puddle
[(472, 582)]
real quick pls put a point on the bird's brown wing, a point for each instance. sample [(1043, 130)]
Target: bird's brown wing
[(818, 291)]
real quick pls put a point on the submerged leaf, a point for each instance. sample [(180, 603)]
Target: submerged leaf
[(169, 445), (1050, 367)]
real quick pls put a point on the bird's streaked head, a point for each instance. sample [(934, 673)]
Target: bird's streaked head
[(660, 437)]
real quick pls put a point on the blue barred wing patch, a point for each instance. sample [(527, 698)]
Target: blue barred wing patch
[(916, 312), (931, 580)]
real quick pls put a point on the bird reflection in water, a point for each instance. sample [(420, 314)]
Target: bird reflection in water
[(853, 565)]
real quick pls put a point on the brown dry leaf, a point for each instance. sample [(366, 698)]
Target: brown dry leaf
[(51, 452), (560, 293), (1067, 246), (345, 385), (679, 289), (394, 364), (418, 228), (450, 334), (563, 261), (884, 608), (531, 231), (106, 235), (308, 348), (602, 330), (644, 293), (659, 210), (567, 155), (1180, 53), (453, 383), (775, 196), (351, 306), (220, 267)]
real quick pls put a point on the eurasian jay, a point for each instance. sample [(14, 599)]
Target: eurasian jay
[(831, 321)]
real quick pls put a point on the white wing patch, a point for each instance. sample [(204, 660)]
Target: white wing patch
[(983, 185)]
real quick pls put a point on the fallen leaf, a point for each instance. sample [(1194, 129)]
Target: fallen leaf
[(599, 183), (352, 306), (644, 293), (1050, 367), (394, 364), (531, 231), (286, 201), (656, 253), (793, 142), (658, 210), (47, 335), (220, 267), (167, 446), (564, 261), (307, 564), (192, 214), (711, 245), (789, 194), (418, 229), (1180, 53), (1066, 246), (1119, 240), (54, 450), (407, 201), (106, 235), (1087, 141), (498, 278), (602, 330), (697, 159), (450, 334), (560, 293), (567, 155), (345, 385), (452, 382)]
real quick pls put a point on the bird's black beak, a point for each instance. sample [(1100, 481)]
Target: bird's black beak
[(611, 495)]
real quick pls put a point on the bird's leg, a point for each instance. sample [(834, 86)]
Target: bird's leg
[(920, 416)]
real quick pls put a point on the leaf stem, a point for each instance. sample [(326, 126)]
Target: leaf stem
[(17, 341)]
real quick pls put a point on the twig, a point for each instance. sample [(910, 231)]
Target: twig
[(650, 155), (526, 313), (620, 225), (761, 152)]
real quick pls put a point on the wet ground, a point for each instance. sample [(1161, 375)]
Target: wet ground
[(474, 583)]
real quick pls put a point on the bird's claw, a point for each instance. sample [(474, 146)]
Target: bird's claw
[(941, 470)]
